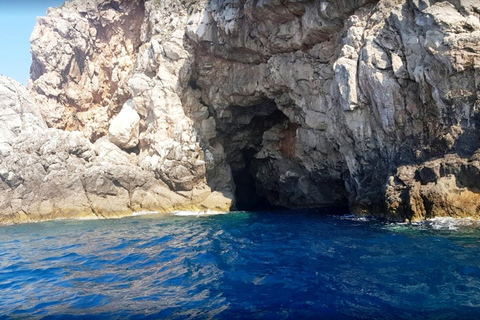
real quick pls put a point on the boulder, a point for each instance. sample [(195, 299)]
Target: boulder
[(124, 129)]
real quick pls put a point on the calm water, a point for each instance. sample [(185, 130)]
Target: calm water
[(281, 265)]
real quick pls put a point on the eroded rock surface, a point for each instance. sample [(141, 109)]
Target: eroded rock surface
[(18, 113), (443, 187), (371, 104), (82, 57), (47, 173), (370, 86)]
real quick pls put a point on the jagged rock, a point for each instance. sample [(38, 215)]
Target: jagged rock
[(18, 113), (393, 85), (293, 103), (82, 56), (47, 173), (443, 187)]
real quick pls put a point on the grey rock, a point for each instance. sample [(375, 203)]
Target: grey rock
[(125, 127), (314, 102)]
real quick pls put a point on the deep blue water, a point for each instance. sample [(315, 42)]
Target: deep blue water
[(282, 265)]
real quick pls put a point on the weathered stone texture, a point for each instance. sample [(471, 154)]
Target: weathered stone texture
[(47, 173), (297, 103)]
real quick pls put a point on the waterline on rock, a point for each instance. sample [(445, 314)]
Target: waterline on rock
[(439, 223), (202, 213), (144, 213)]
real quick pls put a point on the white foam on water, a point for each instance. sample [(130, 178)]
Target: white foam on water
[(91, 218), (447, 223), (356, 217), (198, 213), (440, 223), (143, 213)]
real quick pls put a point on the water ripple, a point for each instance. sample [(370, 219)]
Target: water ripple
[(243, 265)]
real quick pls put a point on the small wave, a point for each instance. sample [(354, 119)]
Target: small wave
[(143, 213), (447, 223), (198, 213), (90, 218), (439, 223), (356, 218)]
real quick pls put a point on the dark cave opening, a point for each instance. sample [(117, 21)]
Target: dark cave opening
[(246, 193), (260, 161), (243, 140)]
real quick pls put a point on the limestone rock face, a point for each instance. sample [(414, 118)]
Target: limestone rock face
[(124, 128), (82, 56), (369, 86), (47, 173), (210, 103), (441, 187), (18, 113)]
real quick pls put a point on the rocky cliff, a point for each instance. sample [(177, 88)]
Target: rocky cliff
[(47, 173), (157, 105)]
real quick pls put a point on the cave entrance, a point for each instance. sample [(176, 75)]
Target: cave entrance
[(245, 139), (246, 194)]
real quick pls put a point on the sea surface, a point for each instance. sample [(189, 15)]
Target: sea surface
[(244, 265)]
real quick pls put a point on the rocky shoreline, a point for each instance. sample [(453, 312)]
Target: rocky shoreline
[(212, 105), (48, 173)]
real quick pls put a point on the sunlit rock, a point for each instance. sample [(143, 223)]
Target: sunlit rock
[(246, 104)]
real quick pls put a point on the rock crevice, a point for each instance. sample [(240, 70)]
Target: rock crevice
[(216, 104)]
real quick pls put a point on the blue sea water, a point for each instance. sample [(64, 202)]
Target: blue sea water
[(245, 265)]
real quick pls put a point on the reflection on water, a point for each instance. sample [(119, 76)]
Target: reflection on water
[(282, 265)]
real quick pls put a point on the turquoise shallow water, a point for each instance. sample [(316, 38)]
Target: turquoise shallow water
[(269, 265)]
